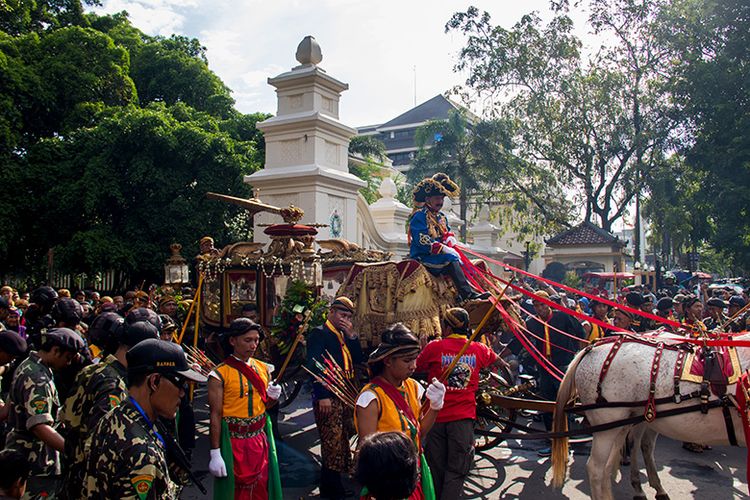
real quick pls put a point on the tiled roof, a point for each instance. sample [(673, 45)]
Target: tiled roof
[(436, 108), (585, 233)]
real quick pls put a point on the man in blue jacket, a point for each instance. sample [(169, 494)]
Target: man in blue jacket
[(431, 240)]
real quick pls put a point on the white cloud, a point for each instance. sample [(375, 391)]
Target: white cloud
[(373, 46), (160, 17)]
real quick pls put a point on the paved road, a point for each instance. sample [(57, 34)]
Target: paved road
[(512, 470)]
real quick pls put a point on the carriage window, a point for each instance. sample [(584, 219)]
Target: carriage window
[(332, 281), (242, 290), (211, 302)]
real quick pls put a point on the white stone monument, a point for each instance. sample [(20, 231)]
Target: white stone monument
[(307, 150)]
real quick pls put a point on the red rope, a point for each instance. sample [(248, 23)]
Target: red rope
[(513, 325), (719, 342), (604, 300), (550, 303)]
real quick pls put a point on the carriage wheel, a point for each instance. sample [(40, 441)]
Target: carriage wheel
[(289, 391), (492, 418)]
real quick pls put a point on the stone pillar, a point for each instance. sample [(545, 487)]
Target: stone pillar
[(485, 236), (484, 232), (454, 220), (389, 214), (307, 150)]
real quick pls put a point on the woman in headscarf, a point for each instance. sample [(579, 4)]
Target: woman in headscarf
[(391, 401)]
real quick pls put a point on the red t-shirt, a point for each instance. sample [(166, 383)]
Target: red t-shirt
[(464, 380)]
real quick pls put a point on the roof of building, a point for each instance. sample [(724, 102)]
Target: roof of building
[(585, 233), (436, 108)]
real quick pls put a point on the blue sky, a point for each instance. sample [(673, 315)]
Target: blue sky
[(373, 45)]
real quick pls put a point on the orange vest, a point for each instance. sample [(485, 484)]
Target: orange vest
[(389, 416), (597, 332), (240, 400)]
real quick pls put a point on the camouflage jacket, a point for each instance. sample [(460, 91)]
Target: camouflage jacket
[(126, 458), (34, 398), (97, 390)]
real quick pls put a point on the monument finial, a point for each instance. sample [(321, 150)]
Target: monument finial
[(308, 51)]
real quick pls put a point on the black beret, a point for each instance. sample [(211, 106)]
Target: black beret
[(143, 314), (12, 343), (634, 299), (737, 301), (133, 334), (665, 304), (716, 302), (63, 337)]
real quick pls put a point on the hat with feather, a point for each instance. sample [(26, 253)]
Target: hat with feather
[(438, 184)]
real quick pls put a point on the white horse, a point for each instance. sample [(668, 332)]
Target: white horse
[(642, 438), (628, 379)]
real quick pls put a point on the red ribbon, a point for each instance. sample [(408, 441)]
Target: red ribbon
[(598, 298), (398, 399), (740, 395), (250, 374), (717, 342)]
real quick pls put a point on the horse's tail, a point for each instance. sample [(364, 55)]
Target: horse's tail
[(560, 422)]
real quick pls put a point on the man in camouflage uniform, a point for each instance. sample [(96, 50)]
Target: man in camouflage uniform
[(12, 346), (98, 389), (35, 404), (128, 455)]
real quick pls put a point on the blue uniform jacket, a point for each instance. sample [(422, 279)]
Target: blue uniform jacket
[(426, 236)]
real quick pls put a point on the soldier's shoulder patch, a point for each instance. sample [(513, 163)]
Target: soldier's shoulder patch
[(39, 406), (142, 485), (113, 401)]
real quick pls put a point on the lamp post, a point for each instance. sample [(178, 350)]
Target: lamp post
[(176, 270), (527, 257)]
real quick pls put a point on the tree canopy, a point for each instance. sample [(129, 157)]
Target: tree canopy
[(710, 44), (659, 110), (109, 140), (595, 123)]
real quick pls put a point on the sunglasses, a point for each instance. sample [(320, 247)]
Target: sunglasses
[(176, 380)]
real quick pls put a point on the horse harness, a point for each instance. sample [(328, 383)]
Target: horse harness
[(713, 378)]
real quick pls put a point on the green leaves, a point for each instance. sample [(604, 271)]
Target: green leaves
[(109, 140), (710, 47), (175, 70), (591, 127)]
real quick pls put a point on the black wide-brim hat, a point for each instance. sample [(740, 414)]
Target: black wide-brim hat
[(438, 184)]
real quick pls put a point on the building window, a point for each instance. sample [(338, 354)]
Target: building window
[(403, 134)]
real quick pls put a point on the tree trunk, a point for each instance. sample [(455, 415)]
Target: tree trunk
[(462, 208), (637, 230)]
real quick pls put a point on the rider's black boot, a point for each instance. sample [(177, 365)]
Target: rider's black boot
[(465, 291)]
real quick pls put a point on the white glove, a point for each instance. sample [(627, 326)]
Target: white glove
[(451, 241), (216, 465), (448, 250), (436, 394), (273, 390)]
